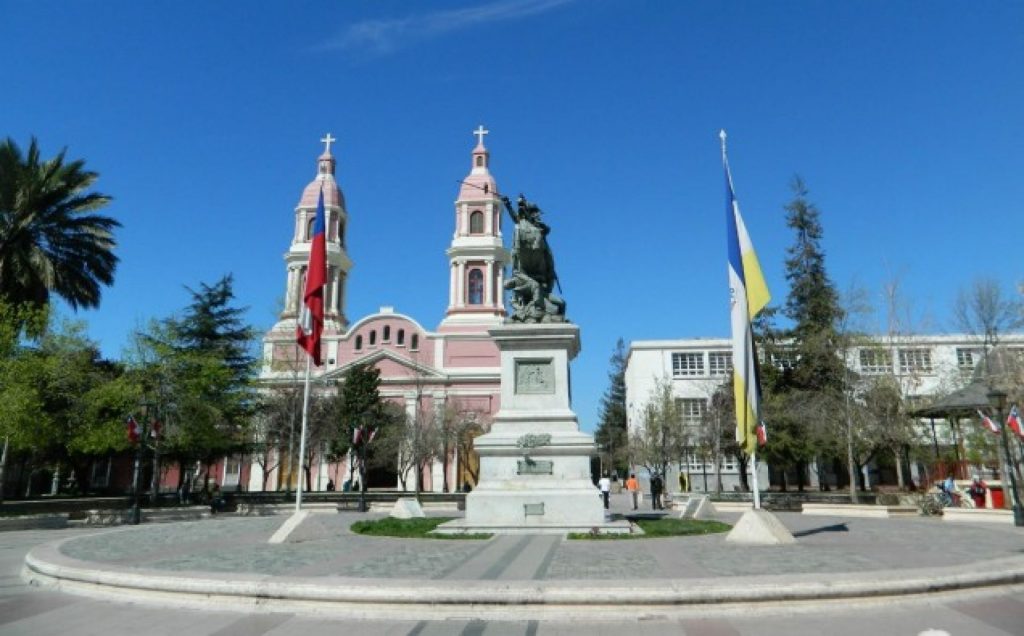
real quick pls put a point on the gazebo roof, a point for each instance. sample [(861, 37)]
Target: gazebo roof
[(960, 403)]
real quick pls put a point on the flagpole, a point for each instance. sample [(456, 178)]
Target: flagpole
[(757, 488), (302, 434)]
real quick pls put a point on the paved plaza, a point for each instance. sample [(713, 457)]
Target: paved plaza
[(844, 575)]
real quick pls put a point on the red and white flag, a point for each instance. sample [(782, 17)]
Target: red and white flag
[(134, 434), (357, 435), (311, 322), (156, 429), (1013, 421), (762, 434), (987, 422)]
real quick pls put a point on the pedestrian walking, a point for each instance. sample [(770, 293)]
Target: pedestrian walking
[(633, 486), (657, 486), (605, 485)]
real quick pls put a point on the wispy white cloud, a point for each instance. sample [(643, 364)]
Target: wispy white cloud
[(385, 36)]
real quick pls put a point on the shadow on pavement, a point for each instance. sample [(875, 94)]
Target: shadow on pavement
[(839, 527)]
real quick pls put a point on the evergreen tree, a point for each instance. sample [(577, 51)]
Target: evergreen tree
[(611, 435), (212, 325), (803, 367), (197, 371), (813, 303)]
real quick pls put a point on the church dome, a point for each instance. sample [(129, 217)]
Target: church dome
[(325, 166)]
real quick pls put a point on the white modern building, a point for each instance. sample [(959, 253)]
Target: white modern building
[(925, 366)]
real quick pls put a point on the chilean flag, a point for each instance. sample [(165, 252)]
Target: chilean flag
[(762, 434), (134, 435), (1013, 421), (987, 422), (311, 324)]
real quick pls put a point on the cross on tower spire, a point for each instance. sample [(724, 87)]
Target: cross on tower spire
[(327, 140), (480, 132)]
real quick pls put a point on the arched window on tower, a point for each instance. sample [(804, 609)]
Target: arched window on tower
[(309, 228), (476, 287), (400, 341), (373, 337), (359, 343), (414, 344), (476, 222), (480, 161), (387, 334)]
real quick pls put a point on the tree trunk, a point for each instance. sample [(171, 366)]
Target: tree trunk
[(899, 469), (3, 465)]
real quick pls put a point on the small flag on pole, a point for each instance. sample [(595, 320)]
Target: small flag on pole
[(1014, 422), (311, 325), (156, 429), (762, 434), (987, 422), (357, 435), (134, 434), (749, 295)]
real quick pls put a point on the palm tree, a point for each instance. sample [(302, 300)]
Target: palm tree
[(51, 241)]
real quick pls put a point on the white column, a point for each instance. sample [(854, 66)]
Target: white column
[(489, 285), (501, 287), (461, 285), (451, 284)]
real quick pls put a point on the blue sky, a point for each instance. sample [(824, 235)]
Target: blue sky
[(203, 120)]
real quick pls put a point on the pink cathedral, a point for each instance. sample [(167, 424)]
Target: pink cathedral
[(455, 365)]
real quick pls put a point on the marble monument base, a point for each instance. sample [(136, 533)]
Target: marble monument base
[(535, 463)]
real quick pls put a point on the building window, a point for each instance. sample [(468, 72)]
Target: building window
[(401, 338), (359, 343), (720, 362), (966, 359), (232, 471), (309, 229), (476, 287), (784, 359), (414, 342), (691, 410), (373, 337), (480, 161), (915, 361), (687, 364), (875, 361), (386, 336), (476, 222)]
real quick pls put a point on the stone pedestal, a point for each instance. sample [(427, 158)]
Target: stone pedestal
[(535, 462)]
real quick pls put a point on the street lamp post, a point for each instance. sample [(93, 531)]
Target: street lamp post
[(997, 399), (135, 513)]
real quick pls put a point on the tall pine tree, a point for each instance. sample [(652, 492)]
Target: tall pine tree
[(611, 436), (805, 380)]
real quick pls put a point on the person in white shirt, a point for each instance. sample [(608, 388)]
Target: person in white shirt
[(605, 485)]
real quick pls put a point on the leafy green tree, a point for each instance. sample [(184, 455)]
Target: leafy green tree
[(197, 372), (611, 435), (51, 238), (361, 407), (661, 439)]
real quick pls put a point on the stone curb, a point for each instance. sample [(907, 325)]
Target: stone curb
[(544, 600)]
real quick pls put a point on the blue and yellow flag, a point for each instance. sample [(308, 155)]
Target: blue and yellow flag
[(749, 295)]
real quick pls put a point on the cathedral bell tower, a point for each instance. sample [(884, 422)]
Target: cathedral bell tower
[(476, 255), (280, 349)]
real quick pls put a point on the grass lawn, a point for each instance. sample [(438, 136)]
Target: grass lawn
[(654, 528), (409, 528)]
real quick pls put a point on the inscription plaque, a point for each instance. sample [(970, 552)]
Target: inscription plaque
[(536, 509), (535, 377), (536, 467)]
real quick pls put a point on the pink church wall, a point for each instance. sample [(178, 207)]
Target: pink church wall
[(471, 353), (423, 354)]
